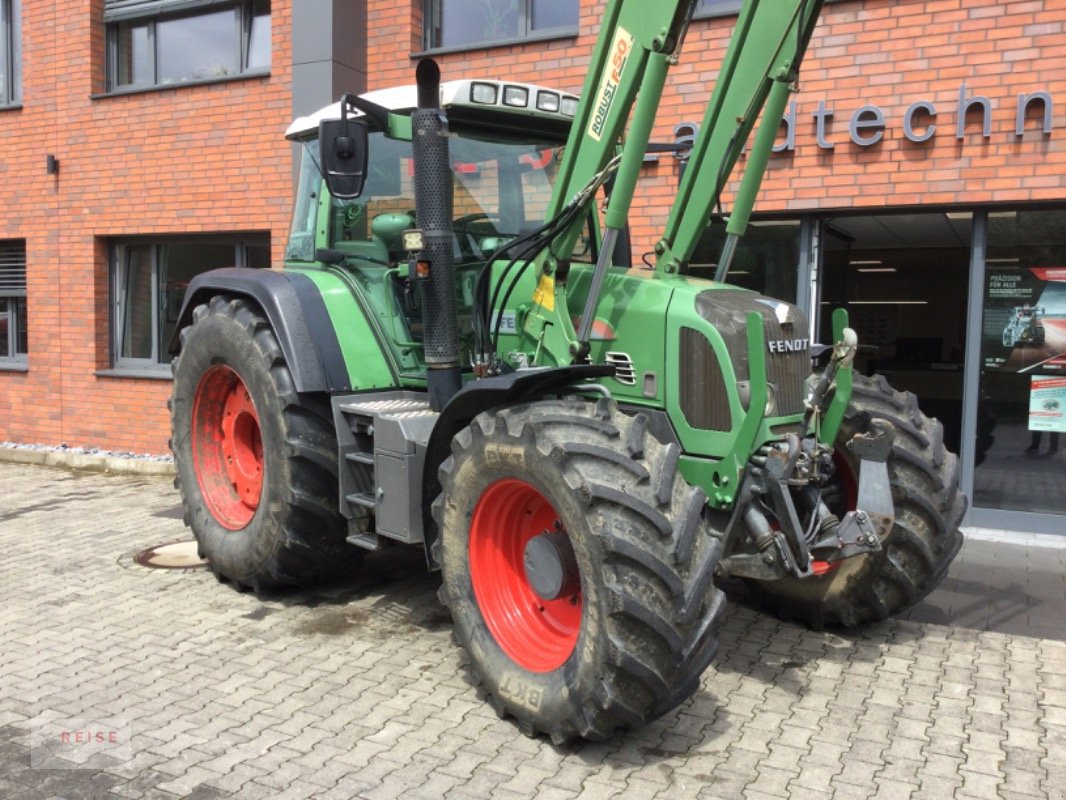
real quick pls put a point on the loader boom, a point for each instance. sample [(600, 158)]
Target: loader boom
[(636, 47)]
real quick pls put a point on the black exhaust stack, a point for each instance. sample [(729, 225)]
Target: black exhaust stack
[(433, 207)]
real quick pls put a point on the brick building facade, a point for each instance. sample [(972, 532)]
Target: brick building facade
[(884, 53), (176, 155), (921, 182)]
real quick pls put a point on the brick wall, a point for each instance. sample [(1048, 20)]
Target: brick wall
[(211, 158), (888, 53), (206, 158)]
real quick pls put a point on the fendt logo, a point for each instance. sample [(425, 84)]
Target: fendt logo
[(788, 345), (612, 79)]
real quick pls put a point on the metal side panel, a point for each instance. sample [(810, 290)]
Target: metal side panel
[(388, 430)]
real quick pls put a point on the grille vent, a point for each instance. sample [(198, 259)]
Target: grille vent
[(624, 371)]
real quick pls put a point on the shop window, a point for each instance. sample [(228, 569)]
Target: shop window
[(10, 53), (473, 23), (171, 42), (766, 260), (1022, 397), (13, 348), (149, 278)]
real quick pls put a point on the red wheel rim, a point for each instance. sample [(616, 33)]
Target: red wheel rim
[(850, 487), (538, 635), (227, 447)]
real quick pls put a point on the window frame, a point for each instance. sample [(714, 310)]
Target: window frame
[(119, 300), (151, 14), (12, 358), (526, 31), (10, 53)]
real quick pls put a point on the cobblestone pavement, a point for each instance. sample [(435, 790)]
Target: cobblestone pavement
[(356, 690)]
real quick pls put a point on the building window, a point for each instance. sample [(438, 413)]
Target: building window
[(13, 348), (472, 23), (766, 260), (1021, 402), (148, 282), (717, 8), (171, 42), (10, 53)]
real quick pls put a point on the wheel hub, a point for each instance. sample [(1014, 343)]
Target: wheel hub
[(551, 566)]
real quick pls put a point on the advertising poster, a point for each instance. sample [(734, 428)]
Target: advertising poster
[(1025, 320), (1047, 404)]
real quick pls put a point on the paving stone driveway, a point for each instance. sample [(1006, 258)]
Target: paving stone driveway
[(357, 691)]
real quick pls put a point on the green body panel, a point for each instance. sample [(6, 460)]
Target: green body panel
[(369, 365), (641, 314)]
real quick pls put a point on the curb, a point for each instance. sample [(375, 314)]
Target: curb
[(86, 462)]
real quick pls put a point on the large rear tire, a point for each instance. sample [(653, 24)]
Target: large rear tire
[(632, 631), (256, 462), (922, 543)]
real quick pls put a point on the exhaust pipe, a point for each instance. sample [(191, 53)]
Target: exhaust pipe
[(433, 207)]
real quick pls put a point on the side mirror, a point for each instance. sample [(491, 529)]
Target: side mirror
[(344, 151)]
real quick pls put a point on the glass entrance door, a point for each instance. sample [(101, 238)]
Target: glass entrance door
[(903, 279)]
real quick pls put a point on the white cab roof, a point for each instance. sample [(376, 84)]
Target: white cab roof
[(540, 101)]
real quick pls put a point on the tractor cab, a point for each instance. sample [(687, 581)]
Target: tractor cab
[(506, 141)]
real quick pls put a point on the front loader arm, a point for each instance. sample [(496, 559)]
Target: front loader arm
[(636, 46), (758, 73), (638, 43)]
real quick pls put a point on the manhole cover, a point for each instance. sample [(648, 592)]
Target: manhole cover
[(180, 555)]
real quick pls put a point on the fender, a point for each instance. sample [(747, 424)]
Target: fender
[(297, 312), (471, 400)]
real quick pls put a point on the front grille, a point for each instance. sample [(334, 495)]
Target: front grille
[(786, 372), (704, 400)]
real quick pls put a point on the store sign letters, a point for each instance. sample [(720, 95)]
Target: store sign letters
[(921, 122)]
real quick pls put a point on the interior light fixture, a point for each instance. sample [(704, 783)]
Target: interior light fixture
[(876, 269), (1002, 260), (959, 215), (887, 302), (873, 262)]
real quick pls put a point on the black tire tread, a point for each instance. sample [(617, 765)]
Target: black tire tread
[(310, 542), (658, 559), (925, 538)]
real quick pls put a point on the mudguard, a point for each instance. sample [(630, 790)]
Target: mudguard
[(296, 307), (482, 395)]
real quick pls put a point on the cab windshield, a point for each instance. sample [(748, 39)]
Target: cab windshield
[(501, 189)]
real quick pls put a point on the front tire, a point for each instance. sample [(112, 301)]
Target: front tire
[(925, 538), (256, 462), (630, 634)]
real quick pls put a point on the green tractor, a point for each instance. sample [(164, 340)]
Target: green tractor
[(458, 356)]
